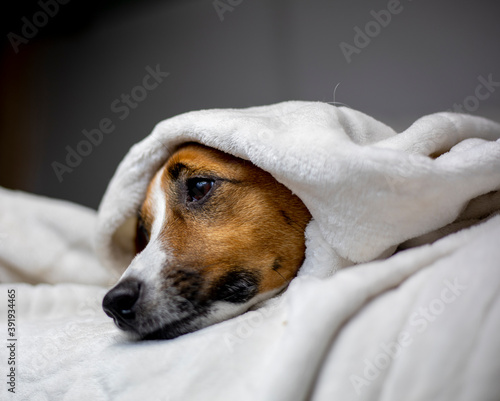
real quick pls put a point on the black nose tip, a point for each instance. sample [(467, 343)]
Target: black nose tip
[(120, 301)]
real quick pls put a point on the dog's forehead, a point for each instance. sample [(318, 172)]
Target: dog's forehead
[(199, 159)]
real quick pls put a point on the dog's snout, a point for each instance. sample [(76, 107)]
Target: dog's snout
[(119, 302)]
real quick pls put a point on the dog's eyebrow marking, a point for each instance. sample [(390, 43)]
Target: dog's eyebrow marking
[(175, 170)]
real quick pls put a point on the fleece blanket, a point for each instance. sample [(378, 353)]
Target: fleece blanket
[(359, 321), (367, 188)]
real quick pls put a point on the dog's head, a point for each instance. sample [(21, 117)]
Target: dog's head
[(215, 235)]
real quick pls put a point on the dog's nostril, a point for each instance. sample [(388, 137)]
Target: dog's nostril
[(123, 305), (119, 301)]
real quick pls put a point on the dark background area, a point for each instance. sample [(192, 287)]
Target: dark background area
[(428, 58)]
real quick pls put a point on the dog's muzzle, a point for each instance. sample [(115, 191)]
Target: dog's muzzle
[(120, 303)]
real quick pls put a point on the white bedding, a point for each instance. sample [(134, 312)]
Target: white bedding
[(329, 336)]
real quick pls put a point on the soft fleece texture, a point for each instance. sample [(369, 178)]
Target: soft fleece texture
[(367, 188), (48, 240), (329, 336)]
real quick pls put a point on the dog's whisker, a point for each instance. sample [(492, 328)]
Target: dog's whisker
[(280, 275)]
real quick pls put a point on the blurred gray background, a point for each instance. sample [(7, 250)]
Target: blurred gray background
[(431, 56)]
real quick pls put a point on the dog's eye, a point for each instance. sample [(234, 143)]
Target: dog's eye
[(198, 188), (141, 236)]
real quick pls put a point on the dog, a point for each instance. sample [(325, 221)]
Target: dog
[(215, 235)]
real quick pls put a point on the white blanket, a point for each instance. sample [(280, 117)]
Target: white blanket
[(422, 324), (367, 188)]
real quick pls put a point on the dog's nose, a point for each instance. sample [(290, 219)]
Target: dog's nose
[(119, 302)]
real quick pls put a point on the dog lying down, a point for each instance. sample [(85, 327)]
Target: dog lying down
[(215, 235)]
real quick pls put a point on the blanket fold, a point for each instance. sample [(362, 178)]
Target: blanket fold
[(367, 188), (45, 240)]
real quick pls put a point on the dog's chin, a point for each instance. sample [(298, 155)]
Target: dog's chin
[(204, 317), (173, 330), (166, 331)]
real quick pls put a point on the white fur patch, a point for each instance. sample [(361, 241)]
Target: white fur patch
[(147, 265), (159, 203)]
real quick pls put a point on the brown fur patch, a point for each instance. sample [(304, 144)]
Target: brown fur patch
[(248, 222)]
